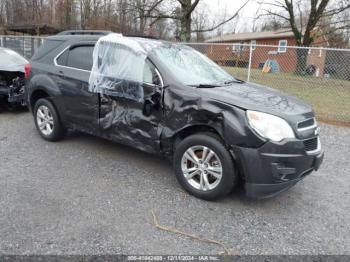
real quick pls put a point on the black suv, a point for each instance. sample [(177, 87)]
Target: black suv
[(166, 98)]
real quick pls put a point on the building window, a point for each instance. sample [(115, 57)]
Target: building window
[(282, 46), (253, 44), (237, 48)]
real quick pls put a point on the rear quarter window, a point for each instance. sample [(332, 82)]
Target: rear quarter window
[(46, 48), (80, 57), (62, 59)]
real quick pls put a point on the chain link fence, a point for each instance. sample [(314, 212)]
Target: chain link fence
[(320, 76), (24, 45)]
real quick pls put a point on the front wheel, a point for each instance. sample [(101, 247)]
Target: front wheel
[(47, 121), (204, 167)]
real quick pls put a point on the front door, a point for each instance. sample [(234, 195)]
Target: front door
[(133, 117)]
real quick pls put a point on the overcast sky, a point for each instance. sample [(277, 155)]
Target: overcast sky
[(219, 7)]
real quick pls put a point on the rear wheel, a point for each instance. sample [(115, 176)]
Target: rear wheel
[(204, 167), (47, 121)]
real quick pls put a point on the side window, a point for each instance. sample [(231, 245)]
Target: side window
[(150, 74), (80, 57), (237, 48), (62, 59), (253, 44), (282, 46)]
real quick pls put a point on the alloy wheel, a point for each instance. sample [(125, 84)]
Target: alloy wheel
[(44, 120), (201, 167)]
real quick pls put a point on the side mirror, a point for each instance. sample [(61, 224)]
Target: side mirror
[(148, 108), (152, 103)]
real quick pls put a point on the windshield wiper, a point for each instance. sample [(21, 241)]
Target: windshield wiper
[(233, 81), (219, 84), (205, 85)]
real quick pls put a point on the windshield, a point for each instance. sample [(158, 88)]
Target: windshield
[(191, 67)]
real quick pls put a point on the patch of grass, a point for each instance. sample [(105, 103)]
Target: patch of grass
[(330, 98)]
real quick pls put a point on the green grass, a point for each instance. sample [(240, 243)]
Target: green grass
[(329, 97)]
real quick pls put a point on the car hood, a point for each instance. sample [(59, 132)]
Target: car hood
[(259, 98)]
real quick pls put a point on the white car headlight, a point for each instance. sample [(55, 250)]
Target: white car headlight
[(269, 126)]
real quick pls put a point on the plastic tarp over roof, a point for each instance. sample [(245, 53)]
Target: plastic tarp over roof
[(118, 66), (11, 61)]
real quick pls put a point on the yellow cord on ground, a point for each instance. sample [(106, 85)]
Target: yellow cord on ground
[(194, 237)]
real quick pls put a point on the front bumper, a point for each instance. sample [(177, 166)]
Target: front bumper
[(275, 167)]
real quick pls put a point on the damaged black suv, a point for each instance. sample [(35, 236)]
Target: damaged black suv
[(169, 99)]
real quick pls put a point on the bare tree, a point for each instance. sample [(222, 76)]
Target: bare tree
[(182, 13), (303, 21), (183, 16), (143, 9), (124, 16), (2, 13), (225, 20)]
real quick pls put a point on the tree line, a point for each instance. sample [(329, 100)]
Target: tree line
[(184, 20), (160, 18)]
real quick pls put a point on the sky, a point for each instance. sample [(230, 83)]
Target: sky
[(219, 7)]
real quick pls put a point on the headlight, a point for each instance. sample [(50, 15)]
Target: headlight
[(269, 126)]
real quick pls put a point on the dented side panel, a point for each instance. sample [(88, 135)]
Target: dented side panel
[(185, 108), (123, 120)]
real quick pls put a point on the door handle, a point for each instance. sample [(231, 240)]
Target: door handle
[(61, 74)]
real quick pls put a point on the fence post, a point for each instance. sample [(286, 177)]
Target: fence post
[(32, 47), (250, 60), (2, 41)]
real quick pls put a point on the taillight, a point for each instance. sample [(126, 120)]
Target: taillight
[(27, 69)]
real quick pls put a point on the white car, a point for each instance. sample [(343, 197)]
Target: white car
[(13, 68)]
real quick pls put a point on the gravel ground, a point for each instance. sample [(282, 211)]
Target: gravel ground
[(85, 195)]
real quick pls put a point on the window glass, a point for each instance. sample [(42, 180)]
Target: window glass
[(80, 57), (282, 46), (191, 67), (253, 43), (150, 75), (238, 47), (118, 67), (62, 59)]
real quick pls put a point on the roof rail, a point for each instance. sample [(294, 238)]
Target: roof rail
[(142, 36), (84, 32)]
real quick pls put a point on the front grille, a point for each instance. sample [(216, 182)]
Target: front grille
[(306, 123), (311, 144)]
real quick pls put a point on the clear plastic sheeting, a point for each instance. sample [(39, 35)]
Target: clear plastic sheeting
[(118, 67)]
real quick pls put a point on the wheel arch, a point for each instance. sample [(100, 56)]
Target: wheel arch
[(191, 130), (37, 94), (41, 86)]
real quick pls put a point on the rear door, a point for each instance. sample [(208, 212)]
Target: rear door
[(74, 65)]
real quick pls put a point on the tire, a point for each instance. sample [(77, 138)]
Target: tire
[(202, 177), (47, 121)]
